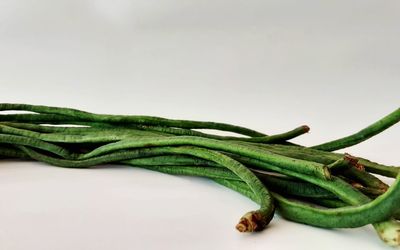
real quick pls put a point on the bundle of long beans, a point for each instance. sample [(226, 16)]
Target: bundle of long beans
[(310, 185)]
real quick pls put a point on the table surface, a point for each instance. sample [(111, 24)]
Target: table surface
[(267, 65)]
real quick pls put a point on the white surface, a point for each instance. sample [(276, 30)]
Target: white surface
[(268, 65)]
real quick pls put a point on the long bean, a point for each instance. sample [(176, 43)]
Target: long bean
[(80, 129), (375, 211), (326, 202), (251, 221), (274, 183), (93, 136), (302, 166), (170, 160), (8, 151), (22, 140), (193, 171), (345, 192), (143, 120), (154, 130), (373, 167), (388, 231), (293, 187), (89, 134), (260, 139), (363, 134), (328, 158)]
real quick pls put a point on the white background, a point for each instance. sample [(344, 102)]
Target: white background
[(268, 65)]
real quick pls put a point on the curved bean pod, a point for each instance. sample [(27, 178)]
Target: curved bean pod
[(302, 166), (32, 142), (251, 221), (144, 120), (363, 134), (388, 231)]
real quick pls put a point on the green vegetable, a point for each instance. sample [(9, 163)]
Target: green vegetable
[(74, 114), (363, 134), (252, 221), (313, 185)]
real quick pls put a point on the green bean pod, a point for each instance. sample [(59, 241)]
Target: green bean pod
[(251, 221), (69, 113), (302, 166), (363, 134)]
